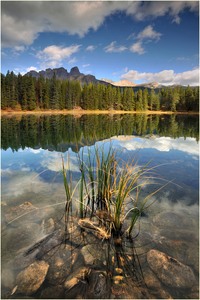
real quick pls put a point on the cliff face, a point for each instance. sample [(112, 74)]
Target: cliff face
[(74, 74), (62, 73)]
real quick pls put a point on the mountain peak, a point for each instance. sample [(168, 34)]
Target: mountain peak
[(75, 71), (62, 74)]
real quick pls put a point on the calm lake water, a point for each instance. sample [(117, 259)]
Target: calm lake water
[(33, 196)]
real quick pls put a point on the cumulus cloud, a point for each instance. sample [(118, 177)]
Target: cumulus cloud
[(154, 9), (72, 61), (148, 34), (166, 77), (53, 55), (23, 182), (90, 48), (52, 161), (137, 48), (19, 48), (166, 144), (112, 47), (22, 21), (86, 65)]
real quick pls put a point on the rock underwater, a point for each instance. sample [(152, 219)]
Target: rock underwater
[(170, 271)]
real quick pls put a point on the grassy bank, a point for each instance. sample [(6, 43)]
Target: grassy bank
[(80, 112)]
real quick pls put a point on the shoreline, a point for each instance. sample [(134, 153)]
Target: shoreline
[(80, 112)]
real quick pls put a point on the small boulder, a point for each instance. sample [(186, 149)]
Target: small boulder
[(48, 226), (99, 286), (30, 279), (170, 271)]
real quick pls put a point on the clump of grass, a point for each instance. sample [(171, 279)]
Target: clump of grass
[(106, 185)]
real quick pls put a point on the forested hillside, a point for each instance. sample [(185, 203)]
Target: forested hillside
[(28, 93)]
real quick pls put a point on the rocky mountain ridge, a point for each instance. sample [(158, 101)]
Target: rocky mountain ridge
[(127, 83), (63, 74), (74, 74)]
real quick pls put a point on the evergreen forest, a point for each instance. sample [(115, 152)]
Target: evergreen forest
[(28, 93), (61, 132)]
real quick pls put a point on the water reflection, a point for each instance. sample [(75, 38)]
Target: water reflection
[(32, 188), (60, 133)]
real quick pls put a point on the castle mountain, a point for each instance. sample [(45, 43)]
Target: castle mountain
[(63, 74), (60, 89), (74, 74)]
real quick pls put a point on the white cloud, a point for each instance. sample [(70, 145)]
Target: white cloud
[(32, 68), (149, 33), (154, 9), (72, 61), (86, 65), (166, 144), (52, 56), (22, 21), (23, 71), (166, 77), (176, 20), (19, 183), (146, 35), (113, 48), (57, 52), (137, 48), (19, 48), (53, 161), (90, 48)]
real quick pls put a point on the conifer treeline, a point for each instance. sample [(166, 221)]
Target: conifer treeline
[(49, 131), (28, 93)]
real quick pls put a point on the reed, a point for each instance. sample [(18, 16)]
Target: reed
[(106, 185)]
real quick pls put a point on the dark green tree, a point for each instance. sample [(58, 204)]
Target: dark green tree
[(30, 93)]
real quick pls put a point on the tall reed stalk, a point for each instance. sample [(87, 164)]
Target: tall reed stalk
[(105, 186)]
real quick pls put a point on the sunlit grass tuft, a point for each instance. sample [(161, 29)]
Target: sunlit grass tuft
[(106, 186)]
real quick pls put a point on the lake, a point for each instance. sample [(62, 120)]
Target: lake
[(161, 261)]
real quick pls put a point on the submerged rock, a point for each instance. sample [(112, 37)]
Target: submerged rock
[(170, 271), (92, 255), (19, 238), (16, 211), (151, 280), (87, 283), (76, 284), (62, 264), (7, 276), (30, 279), (169, 219), (155, 286), (98, 285), (54, 292), (194, 294), (48, 226)]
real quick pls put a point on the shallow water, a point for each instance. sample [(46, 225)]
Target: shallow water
[(33, 196)]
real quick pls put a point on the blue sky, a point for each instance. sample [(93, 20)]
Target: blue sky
[(137, 41)]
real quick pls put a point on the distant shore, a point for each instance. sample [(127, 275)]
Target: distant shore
[(80, 112)]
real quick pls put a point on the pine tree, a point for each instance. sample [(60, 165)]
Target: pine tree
[(139, 101), (54, 93), (4, 103), (175, 97), (31, 96), (117, 99), (128, 99), (145, 99)]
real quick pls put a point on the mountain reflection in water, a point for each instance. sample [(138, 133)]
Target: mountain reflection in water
[(33, 201)]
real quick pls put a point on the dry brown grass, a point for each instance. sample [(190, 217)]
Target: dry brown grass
[(80, 112)]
